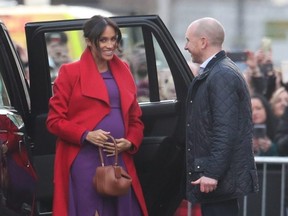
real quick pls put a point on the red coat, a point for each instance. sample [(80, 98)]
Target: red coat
[(79, 103)]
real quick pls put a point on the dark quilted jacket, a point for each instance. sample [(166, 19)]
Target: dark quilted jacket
[(219, 133)]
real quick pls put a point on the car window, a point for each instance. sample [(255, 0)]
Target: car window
[(13, 85), (133, 51), (58, 51), (4, 98), (165, 79), (67, 46)]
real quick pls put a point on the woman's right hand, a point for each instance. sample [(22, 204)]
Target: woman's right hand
[(265, 144), (252, 64), (97, 137)]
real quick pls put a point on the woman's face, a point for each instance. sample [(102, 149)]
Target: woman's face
[(107, 45), (258, 111), (280, 104)]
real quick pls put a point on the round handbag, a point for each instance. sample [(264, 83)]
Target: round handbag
[(111, 180)]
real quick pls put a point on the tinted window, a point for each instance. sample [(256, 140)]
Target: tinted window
[(4, 99), (64, 47), (165, 79)]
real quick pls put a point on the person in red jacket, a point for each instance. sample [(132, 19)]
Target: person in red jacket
[(94, 97)]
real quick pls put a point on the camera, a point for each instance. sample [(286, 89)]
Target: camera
[(266, 68), (259, 131), (237, 56)]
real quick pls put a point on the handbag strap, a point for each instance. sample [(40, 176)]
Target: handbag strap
[(116, 152)]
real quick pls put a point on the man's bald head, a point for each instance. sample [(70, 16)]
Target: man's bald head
[(204, 38), (211, 29)]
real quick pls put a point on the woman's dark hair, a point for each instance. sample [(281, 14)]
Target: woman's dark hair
[(95, 26), (270, 118)]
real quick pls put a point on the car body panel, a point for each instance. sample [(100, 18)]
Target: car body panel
[(17, 176)]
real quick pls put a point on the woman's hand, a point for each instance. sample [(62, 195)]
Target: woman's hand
[(265, 144), (122, 145), (98, 137), (253, 65), (261, 144)]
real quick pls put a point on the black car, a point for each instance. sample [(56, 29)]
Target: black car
[(162, 75)]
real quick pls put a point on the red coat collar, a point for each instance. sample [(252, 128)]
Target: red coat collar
[(92, 84)]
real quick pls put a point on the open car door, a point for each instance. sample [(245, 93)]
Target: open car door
[(162, 76)]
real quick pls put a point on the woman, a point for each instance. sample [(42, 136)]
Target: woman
[(260, 74), (279, 101), (264, 119), (94, 97)]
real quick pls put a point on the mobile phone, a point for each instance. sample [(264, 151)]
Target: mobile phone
[(266, 68), (266, 45), (237, 56), (259, 131)]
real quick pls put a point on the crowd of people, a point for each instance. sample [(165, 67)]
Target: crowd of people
[(269, 100)]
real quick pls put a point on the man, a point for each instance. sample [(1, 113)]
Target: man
[(219, 158), (58, 52)]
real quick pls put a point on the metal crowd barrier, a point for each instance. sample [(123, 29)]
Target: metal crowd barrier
[(269, 161)]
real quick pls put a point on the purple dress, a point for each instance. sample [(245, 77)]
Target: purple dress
[(83, 199)]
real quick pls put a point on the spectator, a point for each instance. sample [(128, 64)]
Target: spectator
[(58, 52), (262, 115), (281, 136), (166, 85), (138, 66), (279, 102), (260, 73), (24, 59)]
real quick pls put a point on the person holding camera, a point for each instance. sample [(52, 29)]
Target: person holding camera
[(260, 73), (264, 127)]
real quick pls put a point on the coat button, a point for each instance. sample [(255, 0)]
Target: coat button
[(188, 125), (188, 149), (191, 101), (189, 173)]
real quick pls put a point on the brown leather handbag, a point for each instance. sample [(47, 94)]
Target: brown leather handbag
[(111, 180)]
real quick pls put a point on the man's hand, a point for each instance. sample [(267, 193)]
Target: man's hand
[(206, 184)]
